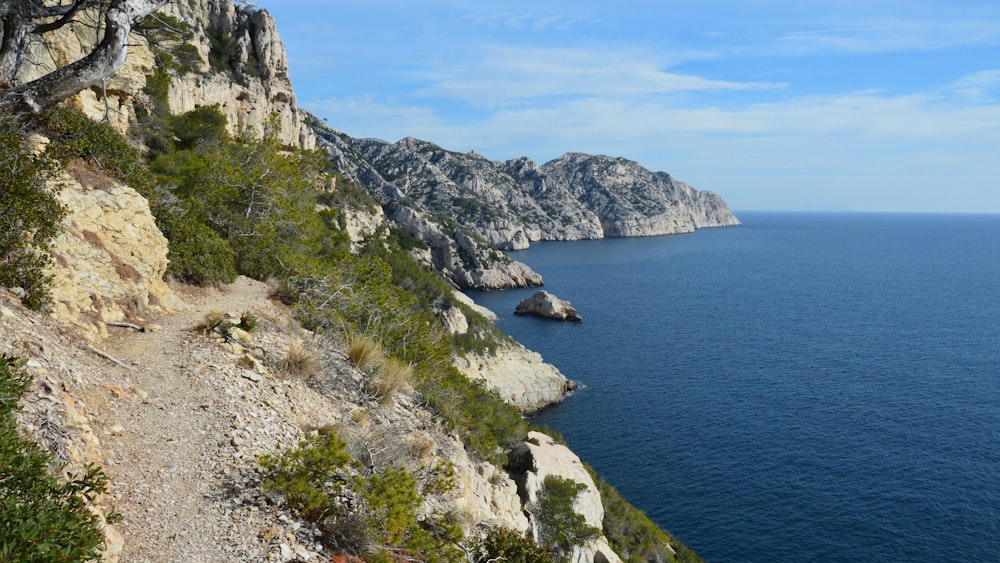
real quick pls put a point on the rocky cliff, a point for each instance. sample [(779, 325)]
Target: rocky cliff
[(514, 203), (220, 54)]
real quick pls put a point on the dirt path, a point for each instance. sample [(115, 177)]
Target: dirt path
[(170, 454)]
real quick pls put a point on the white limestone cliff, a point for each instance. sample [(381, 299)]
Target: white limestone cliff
[(539, 457), (520, 376)]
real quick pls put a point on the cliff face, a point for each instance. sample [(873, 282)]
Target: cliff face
[(513, 203), (256, 84), (253, 88)]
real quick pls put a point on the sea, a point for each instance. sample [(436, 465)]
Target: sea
[(804, 387)]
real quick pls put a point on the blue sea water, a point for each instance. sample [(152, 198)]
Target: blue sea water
[(806, 387)]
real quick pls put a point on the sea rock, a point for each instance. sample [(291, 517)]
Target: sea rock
[(537, 458), (521, 377), (544, 304)]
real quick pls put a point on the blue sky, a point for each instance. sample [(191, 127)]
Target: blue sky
[(801, 105)]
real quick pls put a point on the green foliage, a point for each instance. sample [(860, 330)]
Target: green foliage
[(633, 536), (560, 527), (312, 476), (41, 518), (504, 544), (74, 135), (197, 254), (30, 214), (249, 321), (309, 476)]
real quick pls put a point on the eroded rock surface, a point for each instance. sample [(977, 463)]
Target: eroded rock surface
[(520, 376), (544, 304)]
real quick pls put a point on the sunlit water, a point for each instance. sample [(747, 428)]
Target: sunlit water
[(806, 387)]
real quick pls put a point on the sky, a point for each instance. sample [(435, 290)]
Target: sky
[(773, 104)]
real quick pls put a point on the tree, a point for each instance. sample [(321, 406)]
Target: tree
[(27, 21)]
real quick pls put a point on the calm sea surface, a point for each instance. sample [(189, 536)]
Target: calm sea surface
[(806, 387)]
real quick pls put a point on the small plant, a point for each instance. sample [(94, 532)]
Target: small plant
[(249, 321), (504, 544), (363, 351), (389, 377), (299, 361), (309, 476)]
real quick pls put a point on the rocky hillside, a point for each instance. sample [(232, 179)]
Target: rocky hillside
[(509, 205), (201, 403)]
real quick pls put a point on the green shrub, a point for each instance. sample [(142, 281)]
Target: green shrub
[(196, 254), (633, 536), (74, 135), (41, 518), (30, 214), (309, 476), (504, 544), (560, 526), (382, 517)]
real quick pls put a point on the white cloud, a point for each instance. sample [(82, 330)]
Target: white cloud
[(504, 75), (978, 85), (894, 36)]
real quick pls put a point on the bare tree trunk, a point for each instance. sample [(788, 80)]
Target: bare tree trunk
[(103, 61)]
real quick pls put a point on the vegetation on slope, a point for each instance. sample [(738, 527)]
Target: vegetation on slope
[(244, 205), (42, 518)]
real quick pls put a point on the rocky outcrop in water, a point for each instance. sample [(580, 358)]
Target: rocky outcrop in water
[(544, 304)]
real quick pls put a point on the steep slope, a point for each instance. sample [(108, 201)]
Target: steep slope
[(178, 417)]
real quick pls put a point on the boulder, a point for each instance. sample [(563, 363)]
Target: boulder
[(521, 377), (544, 304)]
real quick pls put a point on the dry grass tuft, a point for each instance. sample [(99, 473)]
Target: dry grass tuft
[(300, 361), (364, 351), (391, 376)]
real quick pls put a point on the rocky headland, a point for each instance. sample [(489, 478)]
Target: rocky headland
[(479, 205)]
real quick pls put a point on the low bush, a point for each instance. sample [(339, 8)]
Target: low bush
[(504, 544), (299, 361), (364, 351), (390, 376), (42, 518), (30, 214)]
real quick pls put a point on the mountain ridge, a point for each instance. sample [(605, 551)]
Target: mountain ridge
[(509, 204)]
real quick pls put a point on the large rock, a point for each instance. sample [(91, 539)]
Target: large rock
[(537, 458), (544, 304), (521, 377), (461, 258), (110, 257)]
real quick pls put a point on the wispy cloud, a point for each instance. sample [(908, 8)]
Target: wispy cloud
[(978, 85), (525, 21), (505, 74), (894, 36)]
